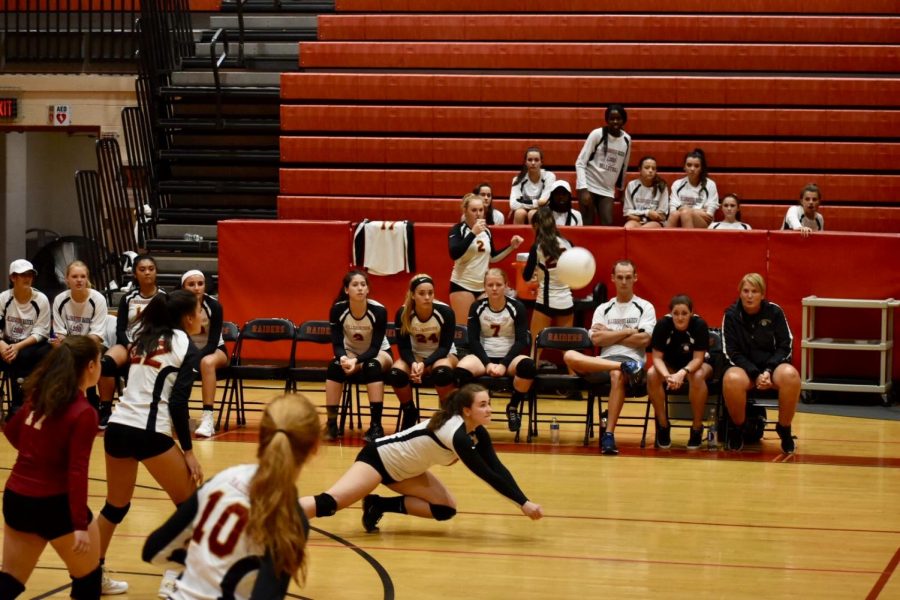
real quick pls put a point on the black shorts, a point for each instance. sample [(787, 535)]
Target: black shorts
[(455, 287), (554, 312), (47, 517), (369, 455), (124, 441)]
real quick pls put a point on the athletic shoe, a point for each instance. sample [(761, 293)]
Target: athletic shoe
[(634, 370), (371, 514), (696, 439), (513, 418), (787, 440), (410, 415), (168, 585), (663, 436), (105, 413), (608, 444), (331, 431), (736, 438), (375, 431), (111, 587), (207, 427)]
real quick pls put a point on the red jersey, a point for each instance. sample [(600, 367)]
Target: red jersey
[(54, 454)]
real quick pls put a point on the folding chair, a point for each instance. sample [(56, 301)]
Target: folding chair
[(257, 332), (561, 339)]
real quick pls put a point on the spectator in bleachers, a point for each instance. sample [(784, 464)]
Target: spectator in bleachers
[(25, 327), (805, 217), (601, 165), (679, 344), (498, 343), (127, 323), (731, 210), (553, 305), (213, 353), (561, 205), (758, 344), (530, 188), (622, 328), (694, 198), (646, 198), (492, 216), (358, 327), (472, 250), (426, 329)]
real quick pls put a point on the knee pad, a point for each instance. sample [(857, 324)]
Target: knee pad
[(115, 514), (326, 506), (335, 372), (397, 378), (87, 587), (371, 372), (10, 587), (463, 376), (442, 376), (526, 369), (441, 512), (108, 367)]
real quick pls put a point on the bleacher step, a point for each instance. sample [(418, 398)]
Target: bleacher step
[(177, 230), (227, 78), (179, 263), (270, 22)]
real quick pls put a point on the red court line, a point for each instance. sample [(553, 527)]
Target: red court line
[(885, 576)]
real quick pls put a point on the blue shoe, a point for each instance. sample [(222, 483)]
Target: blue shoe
[(608, 444), (634, 370)]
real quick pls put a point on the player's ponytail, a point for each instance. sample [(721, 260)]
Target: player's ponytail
[(288, 436), (160, 318), (454, 405), (54, 382)]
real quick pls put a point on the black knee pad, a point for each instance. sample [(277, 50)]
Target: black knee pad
[(463, 376), (326, 506), (442, 376), (10, 587), (441, 512), (335, 372), (397, 378), (115, 514), (526, 369), (371, 372), (108, 367), (89, 586)]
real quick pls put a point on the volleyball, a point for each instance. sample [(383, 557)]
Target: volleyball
[(576, 268)]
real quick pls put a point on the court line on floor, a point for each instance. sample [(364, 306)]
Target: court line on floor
[(885, 576)]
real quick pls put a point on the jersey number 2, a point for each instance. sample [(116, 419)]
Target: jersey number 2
[(234, 517)]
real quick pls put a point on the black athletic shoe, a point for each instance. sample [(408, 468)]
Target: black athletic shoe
[(332, 432), (375, 431), (736, 438), (696, 439), (513, 418), (663, 436), (634, 370), (105, 413), (371, 514), (787, 440), (410, 415)]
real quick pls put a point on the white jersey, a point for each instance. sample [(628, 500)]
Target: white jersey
[(641, 199), (130, 307), (795, 218), (80, 318), (570, 218), (469, 269), (146, 402), (601, 164), (637, 313), (222, 560), (551, 292), (425, 336), (20, 321), (356, 333), (699, 197), (498, 329), (412, 451), (726, 226), (527, 193)]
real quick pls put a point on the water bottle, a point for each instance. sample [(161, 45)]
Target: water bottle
[(554, 432), (711, 442)]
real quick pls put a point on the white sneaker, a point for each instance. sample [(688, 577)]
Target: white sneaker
[(111, 587), (168, 585), (207, 427)]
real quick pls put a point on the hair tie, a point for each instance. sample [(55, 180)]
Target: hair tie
[(417, 281), (284, 431)]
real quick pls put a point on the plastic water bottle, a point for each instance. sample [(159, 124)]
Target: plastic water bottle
[(554, 432), (711, 442)]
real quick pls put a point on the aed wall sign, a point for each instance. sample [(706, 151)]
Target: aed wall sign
[(9, 108), (60, 115)]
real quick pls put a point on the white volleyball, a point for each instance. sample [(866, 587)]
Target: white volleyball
[(576, 268)]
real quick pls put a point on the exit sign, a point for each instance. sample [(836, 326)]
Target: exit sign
[(9, 108)]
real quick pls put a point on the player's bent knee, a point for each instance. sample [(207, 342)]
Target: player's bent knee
[(397, 378), (114, 514), (88, 587), (335, 372), (526, 369), (442, 376), (108, 367), (463, 376), (442, 512), (371, 372), (326, 505)]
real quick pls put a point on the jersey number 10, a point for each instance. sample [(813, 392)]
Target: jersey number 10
[(234, 517)]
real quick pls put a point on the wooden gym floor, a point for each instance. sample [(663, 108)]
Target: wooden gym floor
[(824, 523)]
